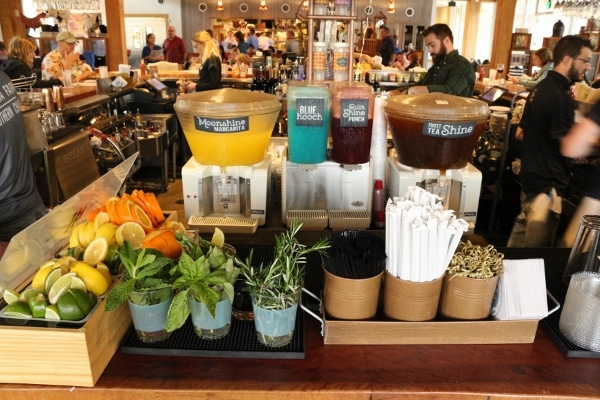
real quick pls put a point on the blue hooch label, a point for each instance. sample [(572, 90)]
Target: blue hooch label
[(220, 125), (310, 112)]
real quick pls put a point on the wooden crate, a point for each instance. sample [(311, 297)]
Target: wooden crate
[(63, 356)]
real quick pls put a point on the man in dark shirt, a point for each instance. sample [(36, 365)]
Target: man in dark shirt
[(20, 202), (548, 115), (451, 73), (387, 49)]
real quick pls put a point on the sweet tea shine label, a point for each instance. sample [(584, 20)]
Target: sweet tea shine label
[(310, 112), (220, 125), (355, 113), (448, 130)]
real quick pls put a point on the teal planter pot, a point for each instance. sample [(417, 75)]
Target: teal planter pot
[(275, 328), (149, 315), (205, 325)]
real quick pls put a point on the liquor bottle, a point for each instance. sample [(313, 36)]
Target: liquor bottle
[(376, 86), (378, 204), (255, 82), (264, 83)]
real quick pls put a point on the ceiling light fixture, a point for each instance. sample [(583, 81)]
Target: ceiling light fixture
[(220, 5), (263, 5), (391, 7)]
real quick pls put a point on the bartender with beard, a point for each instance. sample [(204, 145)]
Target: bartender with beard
[(451, 73)]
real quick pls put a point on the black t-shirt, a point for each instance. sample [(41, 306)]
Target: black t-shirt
[(386, 50), (210, 75), (18, 193), (548, 115)]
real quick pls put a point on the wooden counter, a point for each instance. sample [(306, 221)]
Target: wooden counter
[(538, 370)]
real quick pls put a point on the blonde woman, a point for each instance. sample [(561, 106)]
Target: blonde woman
[(210, 59), (21, 52)]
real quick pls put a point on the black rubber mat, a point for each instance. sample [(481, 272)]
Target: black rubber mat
[(570, 349), (241, 342)]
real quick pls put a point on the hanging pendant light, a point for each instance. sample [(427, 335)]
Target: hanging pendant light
[(263, 5), (220, 5), (391, 7)]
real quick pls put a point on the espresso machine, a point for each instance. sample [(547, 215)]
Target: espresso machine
[(434, 136), (226, 182)]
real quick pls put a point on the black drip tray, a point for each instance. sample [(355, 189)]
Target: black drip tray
[(241, 342), (566, 346)]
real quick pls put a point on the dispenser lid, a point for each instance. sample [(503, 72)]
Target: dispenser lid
[(431, 106), (227, 101), (351, 90)]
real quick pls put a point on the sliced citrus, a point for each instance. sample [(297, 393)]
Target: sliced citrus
[(103, 268), (51, 279), (52, 312), (132, 232), (94, 281), (76, 252), (65, 263), (30, 293), (85, 301), (107, 231), (96, 251), (77, 283), (218, 238), (38, 307), (68, 309), (40, 276), (60, 286), (18, 309), (101, 218), (139, 215), (74, 238), (10, 296)]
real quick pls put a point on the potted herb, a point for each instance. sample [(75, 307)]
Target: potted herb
[(470, 282), (147, 289), (275, 288), (205, 275)]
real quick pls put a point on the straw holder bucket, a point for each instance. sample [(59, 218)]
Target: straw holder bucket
[(351, 299), (467, 298), (411, 301)]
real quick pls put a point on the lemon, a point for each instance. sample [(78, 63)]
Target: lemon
[(18, 309), (218, 238), (132, 232), (40, 276), (74, 238), (107, 231), (52, 278), (60, 286), (10, 296), (77, 283), (65, 263), (86, 234), (96, 251), (52, 312), (93, 279), (105, 272), (100, 219)]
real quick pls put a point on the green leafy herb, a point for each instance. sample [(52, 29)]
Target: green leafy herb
[(273, 284), (145, 269), (205, 273)]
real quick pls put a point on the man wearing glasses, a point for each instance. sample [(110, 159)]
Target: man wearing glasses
[(174, 47), (547, 117)]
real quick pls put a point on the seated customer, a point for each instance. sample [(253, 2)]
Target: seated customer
[(65, 58), (542, 58), (21, 53)]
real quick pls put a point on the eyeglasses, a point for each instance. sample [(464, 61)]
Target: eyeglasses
[(586, 61)]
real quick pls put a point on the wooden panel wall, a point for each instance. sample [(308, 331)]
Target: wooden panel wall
[(10, 21)]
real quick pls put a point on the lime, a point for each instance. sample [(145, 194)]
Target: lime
[(10, 296), (30, 293), (96, 251), (77, 283), (113, 260), (38, 308), (40, 276), (18, 309), (52, 278), (132, 232), (68, 309), (218, 238), (76, 252), (52, 312), (60, 286), (86, 301)]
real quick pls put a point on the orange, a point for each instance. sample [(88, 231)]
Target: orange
[(164, 241)]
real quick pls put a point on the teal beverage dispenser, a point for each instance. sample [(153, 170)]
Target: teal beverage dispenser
[(309, 111)]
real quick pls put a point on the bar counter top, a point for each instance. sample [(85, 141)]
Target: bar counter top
[(537, 371)]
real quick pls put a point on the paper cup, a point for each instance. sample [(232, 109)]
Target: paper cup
[(103, 72), (411, 301), (67, 78)]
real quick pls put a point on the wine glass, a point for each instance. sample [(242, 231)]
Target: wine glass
[(500, 70)]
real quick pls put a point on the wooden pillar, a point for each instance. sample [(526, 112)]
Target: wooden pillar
[(503, 29), (469, 46), (10, 20), (116, 50)]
